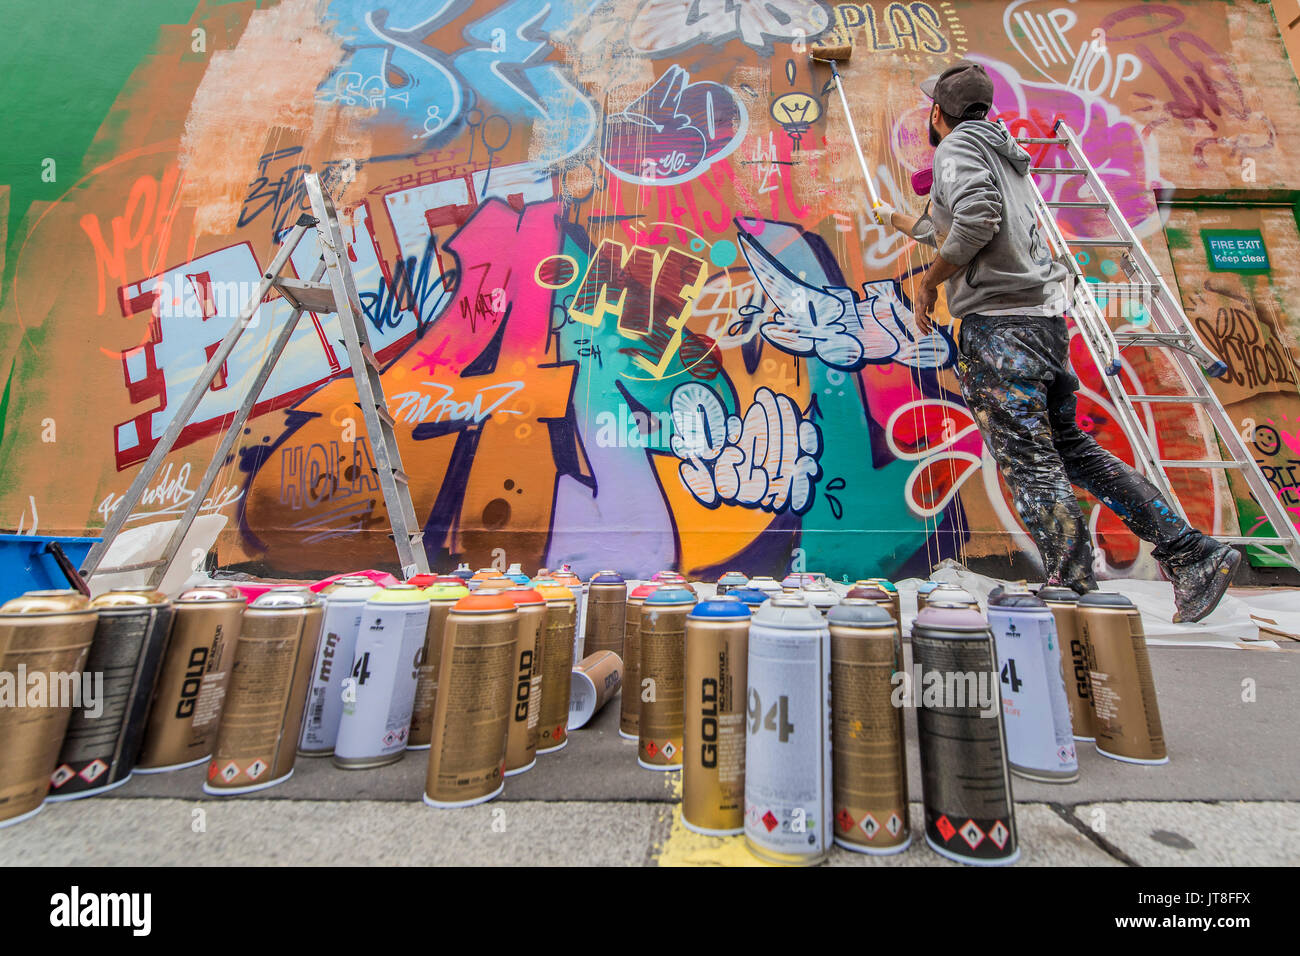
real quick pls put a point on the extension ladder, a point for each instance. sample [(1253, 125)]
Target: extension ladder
[(1168, 329), (338, 293)]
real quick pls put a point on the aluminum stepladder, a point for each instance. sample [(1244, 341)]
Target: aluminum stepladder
[(1168, 329), (337, 293)]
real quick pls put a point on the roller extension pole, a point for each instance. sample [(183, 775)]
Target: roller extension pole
[(857, 146)]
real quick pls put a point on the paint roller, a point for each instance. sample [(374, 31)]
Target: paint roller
[(832, 55)]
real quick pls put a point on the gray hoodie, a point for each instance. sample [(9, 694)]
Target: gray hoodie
[(983, 200)]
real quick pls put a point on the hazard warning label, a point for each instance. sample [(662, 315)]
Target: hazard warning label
[(770, 821), (844, 819), (651, 749), (61, 776), (894, 824), (999, 834), (870, 826), (256, 769), (972, 834), (93, 770), (669, 750), (945, 828), (230, 771)]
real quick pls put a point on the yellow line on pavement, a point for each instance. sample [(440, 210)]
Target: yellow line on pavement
[(684, 848)]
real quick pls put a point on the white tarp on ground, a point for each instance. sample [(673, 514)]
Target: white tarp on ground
[(1231, 624)]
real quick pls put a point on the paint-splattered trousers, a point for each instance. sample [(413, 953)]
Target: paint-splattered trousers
[(1016, 379)]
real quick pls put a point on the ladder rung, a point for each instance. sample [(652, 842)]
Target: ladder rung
[(385, 416), (368, 354), (1194, 399), (1238, 539), (401, 477), (315, 297), (142, 566), (1058, 170), (1085, 204), (1207, 463), (1116, 243)]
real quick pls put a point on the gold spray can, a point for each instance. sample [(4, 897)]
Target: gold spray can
[(45, 638), (191, 690), (269, 681), (891, 592), (526, 701), (606, 613), (1075, 658), (471, 716), (442, 597), (595, 679), (663, 675), (869, 751), (1127, 717), (713, 731), (557, 663), (629, 704)]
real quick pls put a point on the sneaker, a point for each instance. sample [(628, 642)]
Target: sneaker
[(1199, 587)]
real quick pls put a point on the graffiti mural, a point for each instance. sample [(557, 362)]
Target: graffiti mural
[(615, 262)]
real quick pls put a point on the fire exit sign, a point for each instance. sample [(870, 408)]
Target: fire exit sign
[(1235, 250)]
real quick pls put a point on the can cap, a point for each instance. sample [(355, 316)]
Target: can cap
[(883, 583), (422, 580), (400, 594), (868, 592), (671, 594), (518, 577), (667, 575), (128, 597), (925, 587), (553, 593), (723, 607), (288, 597), (210, 592), (949, 595), (789, 610), (952, 618), (852, 611), (643, 591), (750, 596), (733, 577), (484, 603), (445, 592), (1052, 594), (764, 583), (350, 589), (1014, 594), (1104, 599), (525, 596), (46, 602), (607, 577)]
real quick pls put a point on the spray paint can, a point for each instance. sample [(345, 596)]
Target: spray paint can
[(788, 785), (44, 635), (606, 613), (526, 701), (1127, 715), (557, 657), (732, 579), (1035, 711), (516, 573), (471, 717), (969, 812), (867, 731), (1075, 658), (869, 592), (418, 580), (768, 585), (269, 679), (668, 576), (895, 605), (663, 673), (629, 713), (593, 682), (375, 724), (713, 738), (922, 593), (821, 597), (101, 745), (566, 578), (463, 571), (190, 694), (344, 602), (797, 582), (951, 596), (441, 596)]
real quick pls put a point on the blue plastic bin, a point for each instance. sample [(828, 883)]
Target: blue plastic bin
[(26, 566)]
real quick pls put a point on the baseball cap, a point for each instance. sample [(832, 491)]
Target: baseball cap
[(961, 86)]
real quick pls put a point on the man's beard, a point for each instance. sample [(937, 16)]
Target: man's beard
[(934, 135)]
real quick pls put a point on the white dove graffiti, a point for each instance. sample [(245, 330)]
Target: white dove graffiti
[(842, 330)]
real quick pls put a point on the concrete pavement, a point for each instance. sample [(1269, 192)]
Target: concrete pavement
[(1229, 796)]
